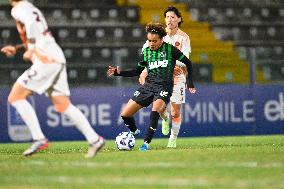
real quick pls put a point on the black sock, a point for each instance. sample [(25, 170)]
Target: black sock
[(130, 123), (154, 118)]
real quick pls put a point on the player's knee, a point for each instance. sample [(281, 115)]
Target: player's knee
[(61, 103), (61, 107), (176, 118), (175, 114), (13, 98)]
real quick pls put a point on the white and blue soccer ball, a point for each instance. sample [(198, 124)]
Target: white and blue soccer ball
[(125, 141)]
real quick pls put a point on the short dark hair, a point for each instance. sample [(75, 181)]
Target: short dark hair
[(156, 28), (176, 11)]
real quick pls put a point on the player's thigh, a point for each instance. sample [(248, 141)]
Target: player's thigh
[(18, 92), (39, 77), (131, 108), (143, 96), (60, 85), (162, 95)]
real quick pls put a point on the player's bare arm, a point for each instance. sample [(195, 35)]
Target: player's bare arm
[(11, 50)]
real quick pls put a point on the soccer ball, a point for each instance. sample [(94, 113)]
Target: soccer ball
[(125, 141)]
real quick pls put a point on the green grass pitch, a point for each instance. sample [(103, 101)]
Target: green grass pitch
[(206, 162)]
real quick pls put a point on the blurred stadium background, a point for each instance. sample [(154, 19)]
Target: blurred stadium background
[(234, 43), (238, 55)]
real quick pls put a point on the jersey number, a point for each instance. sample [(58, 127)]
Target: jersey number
[(37, 16), (181, 93)]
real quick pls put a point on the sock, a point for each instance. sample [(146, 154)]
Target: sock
[(130, 123), (81, 122), (176, 122), (154, 118), (165, 116), (27, 112)]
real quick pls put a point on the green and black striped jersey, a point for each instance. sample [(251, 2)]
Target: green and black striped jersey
[(160, 63)]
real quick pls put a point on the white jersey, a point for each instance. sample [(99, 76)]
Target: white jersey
[(181, 41), (36, 28)]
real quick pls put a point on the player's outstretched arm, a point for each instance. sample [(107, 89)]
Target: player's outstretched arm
[(11, 50), (128, 73)]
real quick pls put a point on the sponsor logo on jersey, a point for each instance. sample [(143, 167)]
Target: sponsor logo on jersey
[(157, 64)]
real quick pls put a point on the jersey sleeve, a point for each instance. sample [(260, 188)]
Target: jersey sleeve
[(134, 72), (23, 16), (177, 54), (17, 14)]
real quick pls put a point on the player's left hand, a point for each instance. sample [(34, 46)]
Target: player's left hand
[(192, 90)]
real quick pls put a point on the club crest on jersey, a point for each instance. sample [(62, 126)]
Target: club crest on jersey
[(163, 54), (157, 64), (177, 44)]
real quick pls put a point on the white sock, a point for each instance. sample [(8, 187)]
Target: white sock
[(27, 112), (165, 116), (81, 123), (175, 130)]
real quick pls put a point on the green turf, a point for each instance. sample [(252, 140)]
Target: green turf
[(214, 162)]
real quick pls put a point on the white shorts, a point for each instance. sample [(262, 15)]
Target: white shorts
[(46, 78), (178, 96)]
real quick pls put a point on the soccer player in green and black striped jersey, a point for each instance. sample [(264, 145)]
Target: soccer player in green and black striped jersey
[(159, 59)]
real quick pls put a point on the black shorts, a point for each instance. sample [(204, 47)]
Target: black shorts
[(147, 94)]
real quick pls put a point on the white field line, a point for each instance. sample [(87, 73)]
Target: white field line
[(114, 180), (182, 181), (156, 165), (145, 181)]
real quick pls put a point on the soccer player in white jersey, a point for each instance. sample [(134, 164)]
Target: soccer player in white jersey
[(46, 75), (179, 39)]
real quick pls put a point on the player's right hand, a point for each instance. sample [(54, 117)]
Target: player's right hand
[(112, 70), (9, 50)]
